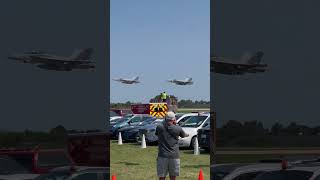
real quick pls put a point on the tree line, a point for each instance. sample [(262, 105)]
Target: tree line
[(184, 103), (54, 138), (254, 134)]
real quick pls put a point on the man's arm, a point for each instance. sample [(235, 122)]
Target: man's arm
[(183, 134)]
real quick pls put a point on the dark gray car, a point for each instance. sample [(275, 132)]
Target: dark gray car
[(149, 132)]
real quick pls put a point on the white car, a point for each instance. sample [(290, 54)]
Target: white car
[(181, 118), (191, 126)]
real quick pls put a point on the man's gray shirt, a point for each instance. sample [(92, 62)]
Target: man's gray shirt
[(168, 140)]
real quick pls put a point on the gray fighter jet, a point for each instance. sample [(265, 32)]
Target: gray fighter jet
[(134, 80), (246, 64), (187, 81), (80, 59)]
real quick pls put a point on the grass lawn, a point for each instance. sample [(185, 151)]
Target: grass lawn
[(129, 161)]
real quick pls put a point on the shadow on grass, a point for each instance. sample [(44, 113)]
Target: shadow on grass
[(128, 163), (188, 151)]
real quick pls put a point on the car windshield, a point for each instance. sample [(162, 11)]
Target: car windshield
[(147, 121), (207, 124), (54, 176), (128, 115), (122, 120), (138, 119), (194, 121), (285, 175)]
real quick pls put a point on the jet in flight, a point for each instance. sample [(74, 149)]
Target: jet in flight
[(247, 64), (80, 59), (187, 81), (134, 80)]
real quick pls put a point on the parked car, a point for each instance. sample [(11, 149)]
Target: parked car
[(134, 120), (191, 126), (247, 172), (220, 171), (302, 171), (129, 133), (77, 173), (181, 118), (149, 132), (39, 161), (267, 169), (204, 136), (114, 116), (117, 120)]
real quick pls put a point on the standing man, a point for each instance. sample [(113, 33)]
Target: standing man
[(168, 160), (164, 97)]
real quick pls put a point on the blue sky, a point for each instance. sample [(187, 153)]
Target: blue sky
[(159, 40)]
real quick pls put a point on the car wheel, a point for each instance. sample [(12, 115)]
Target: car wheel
[(192, 142), (138, 138)]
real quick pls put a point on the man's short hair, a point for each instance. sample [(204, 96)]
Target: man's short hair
[(170, 116)]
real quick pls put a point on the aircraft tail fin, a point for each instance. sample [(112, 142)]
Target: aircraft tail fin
[(256, 59), (83, 54), (136, 78), (188, 79)]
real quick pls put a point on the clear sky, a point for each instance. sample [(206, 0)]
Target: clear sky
[(287, 33), (159, 40), (37, 99)]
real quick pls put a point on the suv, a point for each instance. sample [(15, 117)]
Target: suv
[(77, 173), (134, 120), (38, 161)]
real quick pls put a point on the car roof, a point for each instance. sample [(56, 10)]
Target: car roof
[(315, 166), (226, 167), (241, 169)]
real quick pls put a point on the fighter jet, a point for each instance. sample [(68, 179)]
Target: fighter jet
[(134, 80), (187, 81), (246, 64), (80, 59)]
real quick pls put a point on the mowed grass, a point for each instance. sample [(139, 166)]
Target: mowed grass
[(129, 161)]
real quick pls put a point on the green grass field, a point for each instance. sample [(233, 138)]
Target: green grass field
[(129, 161)]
